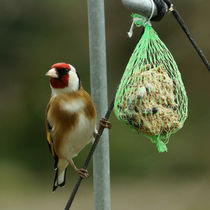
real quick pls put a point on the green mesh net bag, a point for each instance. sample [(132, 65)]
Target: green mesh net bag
[(151, 97)]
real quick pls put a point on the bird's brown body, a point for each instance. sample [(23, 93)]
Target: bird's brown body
[(70, 119), (67, 120)]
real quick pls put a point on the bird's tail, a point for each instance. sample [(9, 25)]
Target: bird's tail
[(60, 174)]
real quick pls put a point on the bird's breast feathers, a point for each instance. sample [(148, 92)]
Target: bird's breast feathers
[(73, 120)]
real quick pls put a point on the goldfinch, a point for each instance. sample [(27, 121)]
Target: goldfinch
[(70, 120)]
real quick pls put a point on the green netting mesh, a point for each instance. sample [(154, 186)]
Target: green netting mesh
[(151, 97)]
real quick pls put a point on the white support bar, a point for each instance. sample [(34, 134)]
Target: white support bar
[(142, 7)]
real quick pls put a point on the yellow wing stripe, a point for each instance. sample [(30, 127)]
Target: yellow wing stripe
[(50, 143)]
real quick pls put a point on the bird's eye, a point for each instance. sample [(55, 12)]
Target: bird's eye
[(63, 71)]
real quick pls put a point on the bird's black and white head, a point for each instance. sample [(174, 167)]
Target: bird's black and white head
[(63, 78)]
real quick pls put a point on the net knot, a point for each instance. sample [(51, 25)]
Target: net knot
[(139, 20)]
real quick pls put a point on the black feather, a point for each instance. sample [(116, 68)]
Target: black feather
[(64, 181), (55, 179), (79, 80)]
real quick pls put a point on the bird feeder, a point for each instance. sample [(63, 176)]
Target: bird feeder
[(151, 97)]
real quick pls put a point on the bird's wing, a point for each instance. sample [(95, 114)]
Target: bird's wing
[(49, 136)]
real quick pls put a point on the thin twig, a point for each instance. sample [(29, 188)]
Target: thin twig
[(187, 32), (97, 138)]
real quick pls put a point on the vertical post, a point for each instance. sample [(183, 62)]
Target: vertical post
[(98, 76)]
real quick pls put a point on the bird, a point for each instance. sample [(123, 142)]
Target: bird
[(70, 120)]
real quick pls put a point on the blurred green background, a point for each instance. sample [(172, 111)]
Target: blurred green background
[(36, 34)]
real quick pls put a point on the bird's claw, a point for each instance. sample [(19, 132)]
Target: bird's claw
[(83, 173), (105, 123)]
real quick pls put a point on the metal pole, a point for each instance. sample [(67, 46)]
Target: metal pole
[(98, 76)]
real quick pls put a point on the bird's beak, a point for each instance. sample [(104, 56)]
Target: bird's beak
[(52, 73)]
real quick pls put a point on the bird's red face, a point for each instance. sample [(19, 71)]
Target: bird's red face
[(59, 75)]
